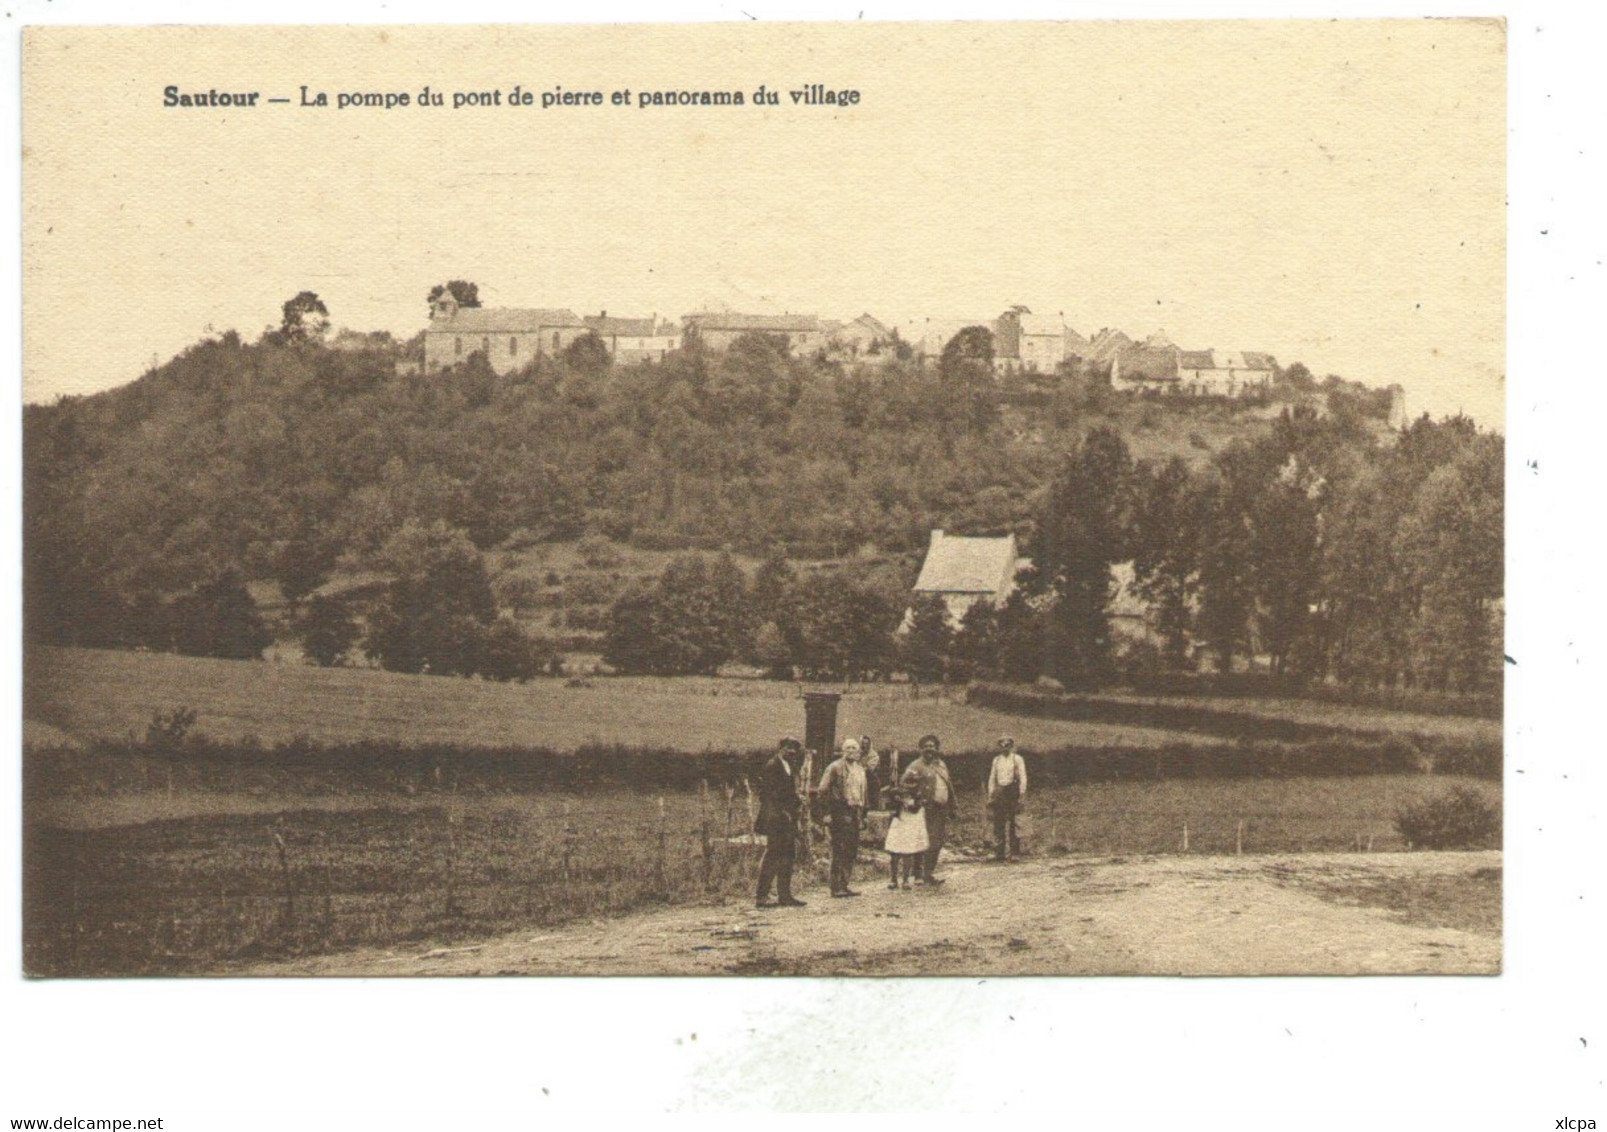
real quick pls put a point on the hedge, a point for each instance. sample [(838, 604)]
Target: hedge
[(305, 764)]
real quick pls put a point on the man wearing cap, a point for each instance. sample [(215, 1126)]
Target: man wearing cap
[(843, 789), (1007, 789), (778, 822), (928, 778)]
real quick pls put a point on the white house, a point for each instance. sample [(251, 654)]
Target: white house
[(1222, 373), (634, 339)]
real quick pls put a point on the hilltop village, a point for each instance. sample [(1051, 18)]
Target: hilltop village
[(1022, 343)]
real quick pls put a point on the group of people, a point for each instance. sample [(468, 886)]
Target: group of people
[(920, 801)]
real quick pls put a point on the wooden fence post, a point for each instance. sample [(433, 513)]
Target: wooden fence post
[(1185, 837), (568, 848), (284, 872), (1238, 839), (451, 863), (708, 845), (661, 819)]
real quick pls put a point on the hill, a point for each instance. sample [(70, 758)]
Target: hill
[(285, 459)]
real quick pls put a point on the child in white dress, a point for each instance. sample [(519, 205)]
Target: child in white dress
[(906, 839)]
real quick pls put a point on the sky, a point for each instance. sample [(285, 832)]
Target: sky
[(1330, 192)]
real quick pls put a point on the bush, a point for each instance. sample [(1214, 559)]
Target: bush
[(218, 618), (327, 631), (587, 619), (1458, 819), (591, 589), (506, 652), (599, 553), (167, 729)]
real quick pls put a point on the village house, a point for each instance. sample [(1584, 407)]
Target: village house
[(1027, 343), (1150, 365), (1157, 364), (634, 339), (718, 329), (509, 337), (964, 571), (928, 336), (1217, 373), (864, 335)]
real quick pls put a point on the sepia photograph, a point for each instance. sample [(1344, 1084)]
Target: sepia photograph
[(884, 499)]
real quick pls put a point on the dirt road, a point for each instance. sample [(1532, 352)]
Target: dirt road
[(1179, 915)]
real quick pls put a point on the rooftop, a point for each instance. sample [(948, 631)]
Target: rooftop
[(959, 565), (774, 323), (503, 320)]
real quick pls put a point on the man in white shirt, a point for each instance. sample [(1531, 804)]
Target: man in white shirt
[(1007, 789), (843, 789)]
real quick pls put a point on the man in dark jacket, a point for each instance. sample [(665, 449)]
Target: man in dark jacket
[(778, 822)]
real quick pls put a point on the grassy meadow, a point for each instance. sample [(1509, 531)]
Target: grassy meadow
[(91, 693)]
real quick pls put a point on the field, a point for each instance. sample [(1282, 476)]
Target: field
[(326, 811), (87, 693), (138, 866)]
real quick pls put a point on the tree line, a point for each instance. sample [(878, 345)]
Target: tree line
[(1375, 567)]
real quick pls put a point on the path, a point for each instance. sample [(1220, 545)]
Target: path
[(1176, 915)]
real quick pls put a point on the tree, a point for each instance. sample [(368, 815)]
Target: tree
[(1284, 542), (305, 319), (588, 355), (1299, 377), (926, 644), (440, 599), (778, 640), (465, 293), (476, 380), (753, 381), (974, 650), (1084, 532), (1166, 551), (1227, 588), (968, 397), (1454, 551), (218, 618), (327, 631), (1018, 637), (302, 565), (695, 619), (630, 645), (506, 652), (773, 652), (846, 627)]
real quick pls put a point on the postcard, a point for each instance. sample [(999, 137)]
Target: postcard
[(886, 499)]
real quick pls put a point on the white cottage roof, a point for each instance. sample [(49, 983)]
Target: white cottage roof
[(959, 565)]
